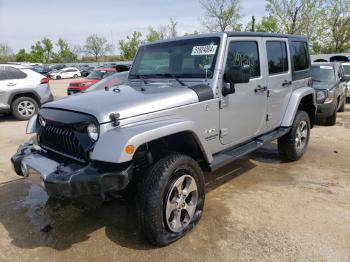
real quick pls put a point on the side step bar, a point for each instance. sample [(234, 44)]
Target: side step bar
[(231, 154)]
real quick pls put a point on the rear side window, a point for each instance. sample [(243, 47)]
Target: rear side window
[(244, 53), (8, 73), (300, 55), (277, 57)]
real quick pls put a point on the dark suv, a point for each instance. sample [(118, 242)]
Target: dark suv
[(330, 86)]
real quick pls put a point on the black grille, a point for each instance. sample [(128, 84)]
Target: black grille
[(64, 141)]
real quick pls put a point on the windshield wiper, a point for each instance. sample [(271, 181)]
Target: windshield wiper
[(142, 77), (172, 76)]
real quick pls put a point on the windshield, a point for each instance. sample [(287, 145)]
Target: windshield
[(113, 80), (96, 75), (346, 70), (323, 73), (192, 58)]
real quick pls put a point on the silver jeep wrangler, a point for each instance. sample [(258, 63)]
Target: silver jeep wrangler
[(191, 104)]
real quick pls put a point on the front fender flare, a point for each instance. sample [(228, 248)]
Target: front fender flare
[(111, 145), (294, 103)]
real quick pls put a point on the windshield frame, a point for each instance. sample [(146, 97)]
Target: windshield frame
[(216, 39)]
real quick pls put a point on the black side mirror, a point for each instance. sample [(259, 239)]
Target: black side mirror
[(235, 75)]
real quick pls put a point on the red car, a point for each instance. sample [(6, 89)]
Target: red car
[(94, 77)]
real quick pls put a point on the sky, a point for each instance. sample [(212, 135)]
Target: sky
[(23, 22)]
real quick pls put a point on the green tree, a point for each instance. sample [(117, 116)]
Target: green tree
[(268, 24), (22, 56), (97, 46), (37, 53), (47, 46), (297, 16), (65, 53), (221, 15), (129, 46), (338, 27)]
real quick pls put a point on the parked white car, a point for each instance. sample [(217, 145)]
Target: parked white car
[(68, 72)]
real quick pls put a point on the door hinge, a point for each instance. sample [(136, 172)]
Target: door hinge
[(268, 117), (223, 132), (222, 103)]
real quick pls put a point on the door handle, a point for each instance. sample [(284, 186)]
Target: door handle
[(260, 88), (286, 83), (11, 84)]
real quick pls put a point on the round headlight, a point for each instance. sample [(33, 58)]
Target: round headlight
[(92, 131), (42, 121), (320, 96)]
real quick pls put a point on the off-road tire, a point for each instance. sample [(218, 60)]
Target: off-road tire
[(287, 147), (331, 120), (342, 107), (15, 107), (153, 190)]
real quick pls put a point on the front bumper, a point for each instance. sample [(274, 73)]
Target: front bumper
[(71, 179), (326, 110)]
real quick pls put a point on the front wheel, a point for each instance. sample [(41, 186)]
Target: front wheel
[(292, 146), (75, 76), (23, 108), (170, 199), (58, 77)]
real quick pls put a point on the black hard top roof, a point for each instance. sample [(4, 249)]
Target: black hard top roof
[(258, 34)]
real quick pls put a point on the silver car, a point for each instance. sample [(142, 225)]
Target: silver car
[(22, 91), (190, 104)]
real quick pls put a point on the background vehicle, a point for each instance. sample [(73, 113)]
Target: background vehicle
[(44, 70), (68, 72), (191, 104), (22, 91), (346, 69), (114, 80), (330, 87), (85, 71), (94, 77)]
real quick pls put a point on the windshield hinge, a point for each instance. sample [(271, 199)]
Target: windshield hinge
[(222, 103)]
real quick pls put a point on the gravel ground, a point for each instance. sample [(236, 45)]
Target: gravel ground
[(257, 208)]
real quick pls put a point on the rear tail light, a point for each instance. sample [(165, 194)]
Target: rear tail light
[(44, 81)]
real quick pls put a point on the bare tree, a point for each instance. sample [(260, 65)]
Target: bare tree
[(97, 46), (5, 52), (221, 15)]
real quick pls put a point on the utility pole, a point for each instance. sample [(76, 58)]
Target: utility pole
[(253, 24)]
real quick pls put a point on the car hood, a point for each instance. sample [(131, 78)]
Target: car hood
[(126, 100), (324, 85)]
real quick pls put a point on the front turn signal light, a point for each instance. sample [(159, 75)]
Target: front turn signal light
[(130, 149)]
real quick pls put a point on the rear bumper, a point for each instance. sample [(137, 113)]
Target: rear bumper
[(70, 179)]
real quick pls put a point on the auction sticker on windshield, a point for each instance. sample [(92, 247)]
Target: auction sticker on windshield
[(204, 50)]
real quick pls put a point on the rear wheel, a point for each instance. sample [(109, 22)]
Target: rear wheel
[(75, 76), (170, 199), (23, 108), (292, 146)]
